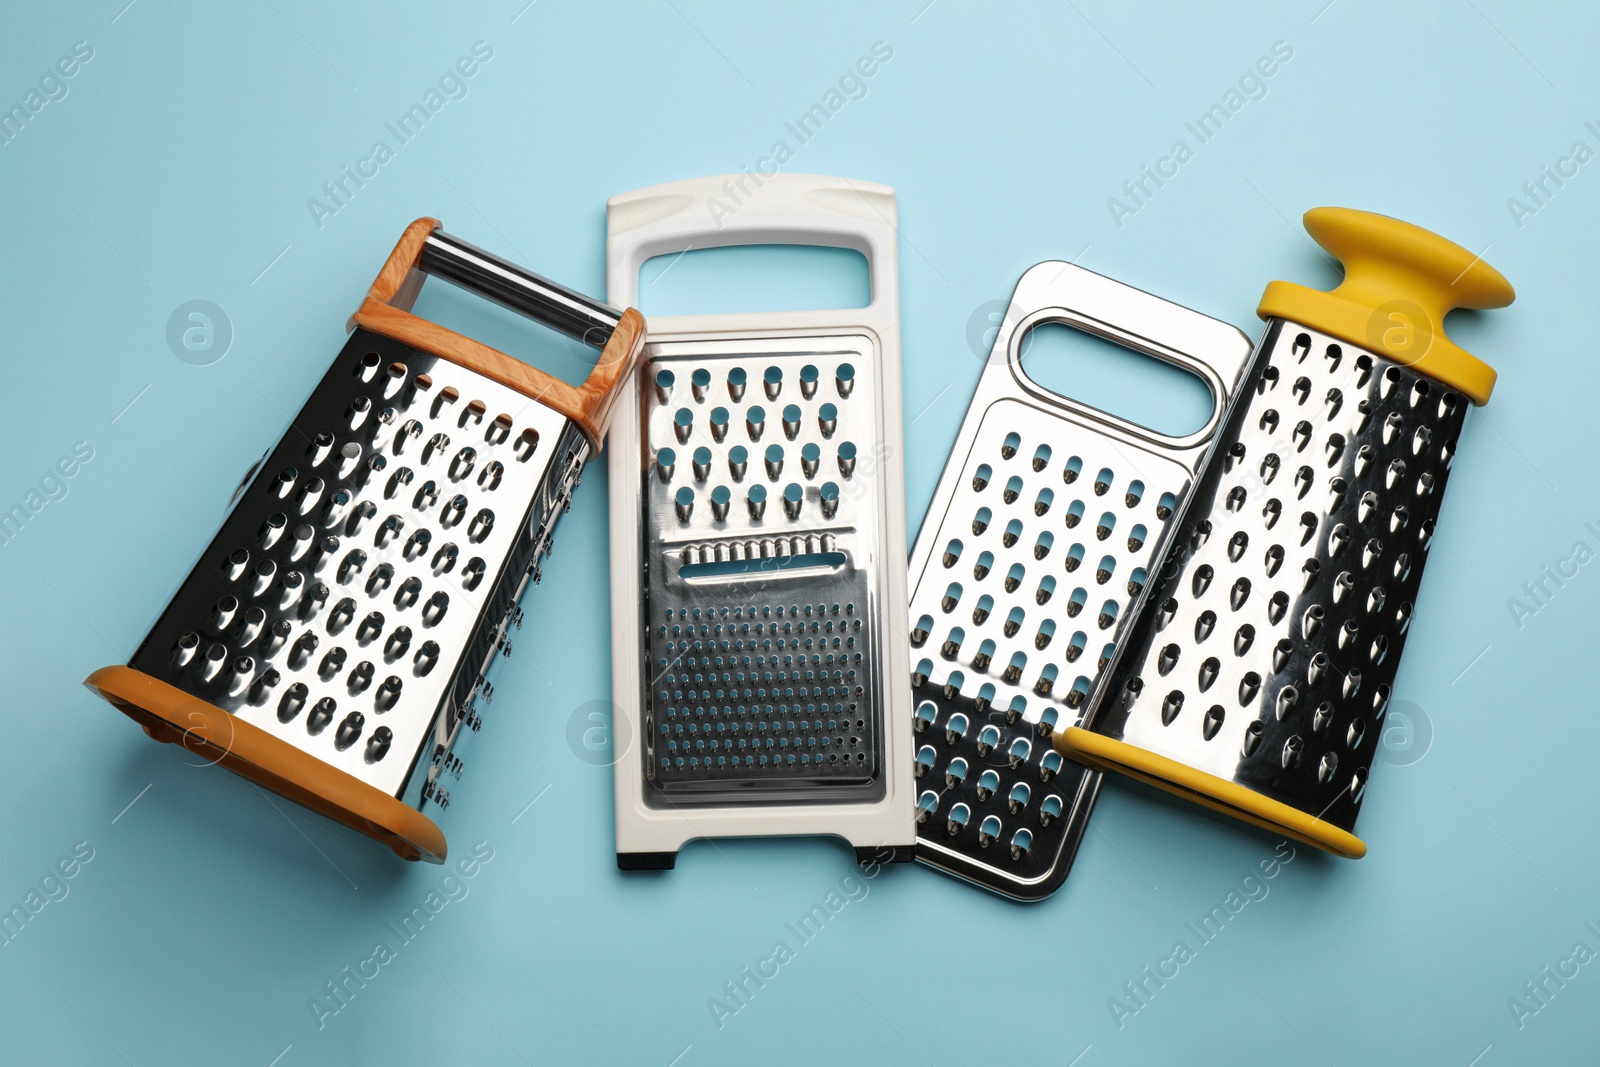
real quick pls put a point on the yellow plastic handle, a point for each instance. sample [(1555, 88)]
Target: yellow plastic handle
[(1400, 281)]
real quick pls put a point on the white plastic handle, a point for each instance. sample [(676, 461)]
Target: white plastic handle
[(750, 209)]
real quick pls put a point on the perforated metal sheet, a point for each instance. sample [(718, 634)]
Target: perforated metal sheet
[(364, 579), (1018, 613), (1041, 534), (761, 617)]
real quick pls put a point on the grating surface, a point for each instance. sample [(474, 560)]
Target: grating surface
[(363, 580), (1046, 541), (1268, 655), (761, 623), (1039, 542)]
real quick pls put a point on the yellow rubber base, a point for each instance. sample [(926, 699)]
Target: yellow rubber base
[(171, 715), (1218, 794)]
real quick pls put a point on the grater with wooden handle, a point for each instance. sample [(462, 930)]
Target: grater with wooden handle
[(758, 541), (1040, 535), (1258, 675), (332, 642)]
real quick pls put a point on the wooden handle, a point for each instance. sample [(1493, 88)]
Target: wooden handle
[(387, 310), (600, 390)]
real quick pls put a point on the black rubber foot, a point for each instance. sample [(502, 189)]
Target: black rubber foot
[(886, 854), (646, 861)]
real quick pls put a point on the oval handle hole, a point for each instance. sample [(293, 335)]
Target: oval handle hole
[(1119, 381)]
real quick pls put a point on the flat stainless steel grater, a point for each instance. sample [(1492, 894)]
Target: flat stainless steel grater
[(1258, 675), (332, 641), (1041, 534), (758, 541)]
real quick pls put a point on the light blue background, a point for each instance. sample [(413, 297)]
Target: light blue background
[(178, 167)]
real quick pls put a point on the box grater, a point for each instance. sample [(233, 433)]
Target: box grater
[(758, 541), (332, 641), (1257, 677), (1041, 533)]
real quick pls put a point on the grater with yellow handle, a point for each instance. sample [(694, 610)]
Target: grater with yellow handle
[(332, 641), (1257, 677)]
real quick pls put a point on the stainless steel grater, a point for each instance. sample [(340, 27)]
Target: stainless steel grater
[(758, 536), (333, 640), (786, 570), (1258, 675), (1040, 535)]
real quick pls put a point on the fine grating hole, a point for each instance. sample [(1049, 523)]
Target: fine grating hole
[(482, 526), (292, 701), (952, 552), (1049, 810), (408, 593), (378, 744), (447, 396), (985, 563), (1014, 578), (433, 611), (463, 463), (526, 445)]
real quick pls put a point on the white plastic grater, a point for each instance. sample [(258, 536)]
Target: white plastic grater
[(758, 541), (333, 639), (1041, 534)]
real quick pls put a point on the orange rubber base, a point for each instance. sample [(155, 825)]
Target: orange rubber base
[(170, 715)]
